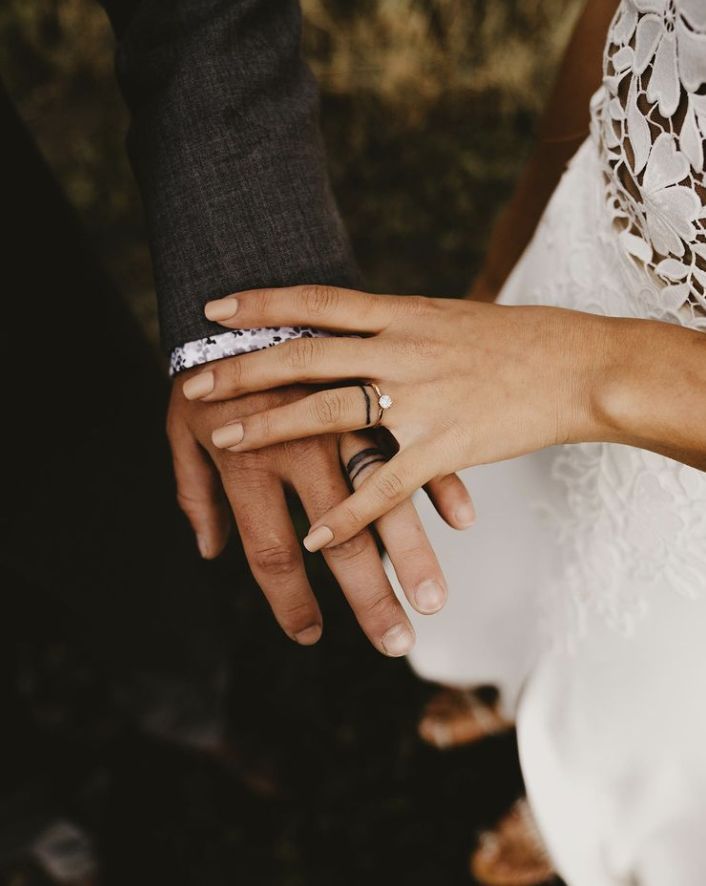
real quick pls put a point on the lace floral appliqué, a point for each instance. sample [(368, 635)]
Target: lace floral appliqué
[(649, 120)]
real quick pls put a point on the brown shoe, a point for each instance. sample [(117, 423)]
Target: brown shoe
[(456, 717), (512, 854)]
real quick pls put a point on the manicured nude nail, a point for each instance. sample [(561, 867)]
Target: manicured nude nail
[(199, 385), (397, 641), (221, 309), (228, 435), (317, 538), (309, 635), (465, 515), (429, 596)]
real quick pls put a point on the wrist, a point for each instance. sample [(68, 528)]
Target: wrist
[(623, 387), (600, 378)]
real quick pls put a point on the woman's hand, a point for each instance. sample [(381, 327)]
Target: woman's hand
[(469, 383)]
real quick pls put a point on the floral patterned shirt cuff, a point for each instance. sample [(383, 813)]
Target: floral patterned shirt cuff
[(234, 342)]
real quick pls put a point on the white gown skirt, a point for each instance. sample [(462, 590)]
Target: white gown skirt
[(581, 593)]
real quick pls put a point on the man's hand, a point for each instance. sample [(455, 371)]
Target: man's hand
[(212, 482)]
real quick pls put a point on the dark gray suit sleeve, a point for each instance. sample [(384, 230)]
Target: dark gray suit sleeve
[(225, 143)]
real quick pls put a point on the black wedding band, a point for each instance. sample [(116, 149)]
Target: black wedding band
[(368, 405), (363, 459)]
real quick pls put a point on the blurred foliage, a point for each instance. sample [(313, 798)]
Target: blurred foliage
[(428, 110)]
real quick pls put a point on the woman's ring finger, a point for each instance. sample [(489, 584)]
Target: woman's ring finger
[(335, 410)]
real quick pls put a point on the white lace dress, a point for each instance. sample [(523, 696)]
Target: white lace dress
[(585, 576)]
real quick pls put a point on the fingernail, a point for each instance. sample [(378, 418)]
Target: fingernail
[(228, 435), (203, 545), (199, 386), (429, 596), (221, 309), (397, 641), (465, 515), (309, 635), (317, 538)]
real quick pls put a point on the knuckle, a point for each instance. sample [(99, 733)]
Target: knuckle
[(453, 435), (351, 549), (266, 300), (189, 504), (351, 517), (320, 299), (303, 451), (261, 428), (418, 347), (240, 467), (300, 353), (295, 612), (275, 560), (389, 485), (416, 305), (230, 466), (234, 372), (328, 407), (381, 608)]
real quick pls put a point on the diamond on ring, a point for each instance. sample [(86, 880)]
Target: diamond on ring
[(384, 402)]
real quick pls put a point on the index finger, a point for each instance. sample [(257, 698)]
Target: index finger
[(326, 307), (379, 493), (301, 360)]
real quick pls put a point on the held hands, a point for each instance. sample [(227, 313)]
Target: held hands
[(470, 383), (215, 485)]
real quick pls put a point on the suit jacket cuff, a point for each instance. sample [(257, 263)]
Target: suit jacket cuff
[(234, 342)]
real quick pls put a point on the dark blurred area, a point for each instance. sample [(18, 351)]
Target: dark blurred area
[(428, 110)]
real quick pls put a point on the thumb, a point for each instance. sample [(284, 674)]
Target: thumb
[(200, 493)]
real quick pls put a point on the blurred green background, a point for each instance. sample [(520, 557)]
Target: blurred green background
[(428, 111)]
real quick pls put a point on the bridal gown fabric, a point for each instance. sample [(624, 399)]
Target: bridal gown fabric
[(581, 591)]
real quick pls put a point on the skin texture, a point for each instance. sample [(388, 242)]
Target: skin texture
[(214, 486), (471, 383)]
